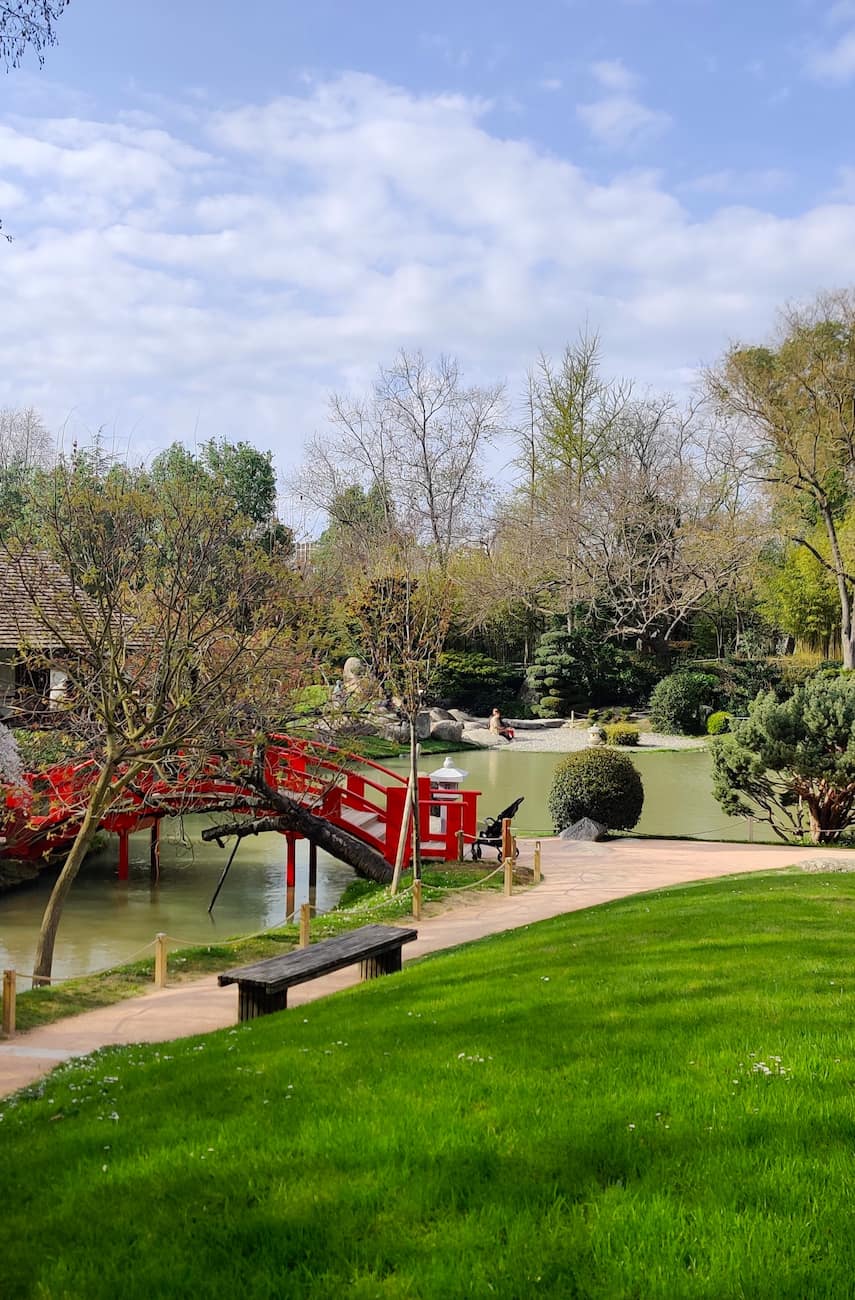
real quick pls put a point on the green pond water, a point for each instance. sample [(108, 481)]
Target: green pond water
[(678, 796), (107, 920)]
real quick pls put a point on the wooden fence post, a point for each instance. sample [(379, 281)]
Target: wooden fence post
[(9, 988), (417, 900), (460, 849), (507, 838), (305, 918), (160, 961), (537, 876), (509, 877)]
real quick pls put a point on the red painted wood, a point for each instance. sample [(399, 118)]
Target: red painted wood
[(45, 814)]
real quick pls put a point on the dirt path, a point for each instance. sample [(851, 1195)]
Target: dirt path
[(575, 876)]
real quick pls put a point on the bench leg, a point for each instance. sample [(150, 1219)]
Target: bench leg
[(253, 1003), (387, 964)]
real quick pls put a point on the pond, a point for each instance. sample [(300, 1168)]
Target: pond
[(678, 797), (107, 920)]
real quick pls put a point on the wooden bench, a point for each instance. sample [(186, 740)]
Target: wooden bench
[(263, 987)]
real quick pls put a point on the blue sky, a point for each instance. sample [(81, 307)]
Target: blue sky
[(221, 212)]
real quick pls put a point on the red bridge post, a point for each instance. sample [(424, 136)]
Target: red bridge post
[(124, 857)]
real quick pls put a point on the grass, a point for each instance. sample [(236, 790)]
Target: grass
[(361, 902), (377, 747), (650, 1099)]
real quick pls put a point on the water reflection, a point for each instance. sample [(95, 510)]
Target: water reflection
[(107, 920)]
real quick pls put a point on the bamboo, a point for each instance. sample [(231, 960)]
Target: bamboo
[(9, 989), (305, 918), (160, 961), (537, 876), (509, 876), (417, 900)]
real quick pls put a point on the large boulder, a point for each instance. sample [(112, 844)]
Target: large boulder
[(449, 731), (396, 731), (584, 829), (358, 680)]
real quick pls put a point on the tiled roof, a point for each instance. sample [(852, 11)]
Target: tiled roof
[(38, 604)]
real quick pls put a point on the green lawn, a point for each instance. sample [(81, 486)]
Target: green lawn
[(650, 1099)]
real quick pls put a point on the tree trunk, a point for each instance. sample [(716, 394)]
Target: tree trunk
[(99, 800), (847, 641), (414, 800), (292, 816)]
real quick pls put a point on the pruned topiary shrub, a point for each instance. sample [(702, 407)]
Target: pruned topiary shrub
[(718, 723), (622, 733), (681, 703), (597, 783)]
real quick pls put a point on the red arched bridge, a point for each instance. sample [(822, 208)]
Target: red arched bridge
[(360, 797)]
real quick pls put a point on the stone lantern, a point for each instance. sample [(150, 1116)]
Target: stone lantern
[(446, 779)]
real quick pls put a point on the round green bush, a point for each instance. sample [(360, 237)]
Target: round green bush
[(681, 703), (551, 706), (718, 723), (597, 783), (622, 733)]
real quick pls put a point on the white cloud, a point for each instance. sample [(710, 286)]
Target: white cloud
[(613, 74), (835, 63), (619, 118), (167, 283), (728, 181)]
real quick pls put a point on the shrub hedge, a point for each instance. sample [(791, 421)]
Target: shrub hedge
[(681, 703), (597, 783), (622, 733)]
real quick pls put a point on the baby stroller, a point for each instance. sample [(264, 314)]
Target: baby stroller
[(491, 836)]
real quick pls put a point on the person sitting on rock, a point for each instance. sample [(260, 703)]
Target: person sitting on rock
[(499, 727)]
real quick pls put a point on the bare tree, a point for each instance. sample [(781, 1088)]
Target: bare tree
[(28, 24), (416, 443), (402, 622), (628, 511)]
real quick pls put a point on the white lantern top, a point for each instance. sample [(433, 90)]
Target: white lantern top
[(448, 774)]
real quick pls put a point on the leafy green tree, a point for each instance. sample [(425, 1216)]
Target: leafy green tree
[(141, 594), (792, 764), (245, 474), (798, 594), (793, 402)]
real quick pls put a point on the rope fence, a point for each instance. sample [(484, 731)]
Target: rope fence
[(162, 941)]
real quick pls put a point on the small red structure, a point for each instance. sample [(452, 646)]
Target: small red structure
[(43, 816)]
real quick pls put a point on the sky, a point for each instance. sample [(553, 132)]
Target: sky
[(222, 213)]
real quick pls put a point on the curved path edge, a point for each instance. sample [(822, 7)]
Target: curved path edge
[(575, 876)]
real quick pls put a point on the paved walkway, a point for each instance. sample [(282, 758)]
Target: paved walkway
[(575, 876)]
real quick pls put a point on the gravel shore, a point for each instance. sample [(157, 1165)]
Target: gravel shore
[(566, 739)]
